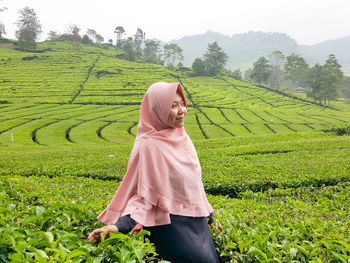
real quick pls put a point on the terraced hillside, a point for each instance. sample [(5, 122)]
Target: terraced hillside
[(76, 95), (68, 117)]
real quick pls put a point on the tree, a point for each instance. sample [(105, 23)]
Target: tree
[(91, 37), (91, 34), (316, 82), (86, 40), (151, 51), (28, 19), (261, 71), (152, 47), (172, 54), (26, 39), (74, 33), (2, 29), (346, 89), (334, 74), (128, 47), (296, 70), (215, 59), (52, 35), (119, 30), (139, 37), (247, 74), (237, 74), (2, 26), (276, 59), (199, 67), (110, 41), (99, 38), (325, 81)]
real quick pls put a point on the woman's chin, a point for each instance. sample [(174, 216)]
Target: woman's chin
[(180, 125), (176, 126)]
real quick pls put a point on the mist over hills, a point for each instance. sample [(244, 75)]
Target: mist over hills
[(318, 52), (244, 49)]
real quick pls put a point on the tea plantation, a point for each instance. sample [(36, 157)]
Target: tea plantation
[(275, 165)]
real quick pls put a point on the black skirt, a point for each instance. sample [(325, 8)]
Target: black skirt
[(185, 240)]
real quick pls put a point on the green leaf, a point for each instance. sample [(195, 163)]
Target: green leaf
[(241, 246), (118, 235), (66, 237), (75, 253), (326, 244), (40, 253), (11, 239), (58, 252), (32, 241), (28, 220), (138, 250), (142, 233), (64, 250), (258, 252), (124, 254), (17, 257), (39, 210), (293, 251), (49, 236), (302, 250), (345, 245), (22, 244), (339, 257), (68, 218)]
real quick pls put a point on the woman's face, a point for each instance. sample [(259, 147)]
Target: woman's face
[(178, 112)]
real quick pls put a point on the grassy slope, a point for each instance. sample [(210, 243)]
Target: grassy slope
[(74, 80)]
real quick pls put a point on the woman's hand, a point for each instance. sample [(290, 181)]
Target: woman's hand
[(213, 221), (212, 225), (95, 236)]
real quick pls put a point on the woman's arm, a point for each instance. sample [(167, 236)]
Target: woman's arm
[(212, 223), (211, 218), (125, 224), (95, 236)]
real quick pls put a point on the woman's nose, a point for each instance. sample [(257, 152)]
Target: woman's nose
[(182, 110)]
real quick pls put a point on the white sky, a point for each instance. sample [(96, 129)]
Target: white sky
[(306, 21)]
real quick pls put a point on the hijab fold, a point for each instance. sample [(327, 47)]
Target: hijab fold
[(164, 174)]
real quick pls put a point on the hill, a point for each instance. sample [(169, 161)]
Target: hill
[(67, 79), (318, 52), (245, 49)]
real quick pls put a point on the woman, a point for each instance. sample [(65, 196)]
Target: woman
[(162, 190)]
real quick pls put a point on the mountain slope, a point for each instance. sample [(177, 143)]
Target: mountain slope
[(245, 49), (318, 53)]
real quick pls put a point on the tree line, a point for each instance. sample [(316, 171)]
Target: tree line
[(136, 47), (323, 83)]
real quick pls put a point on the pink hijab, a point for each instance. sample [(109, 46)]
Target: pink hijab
[(164, 173)]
